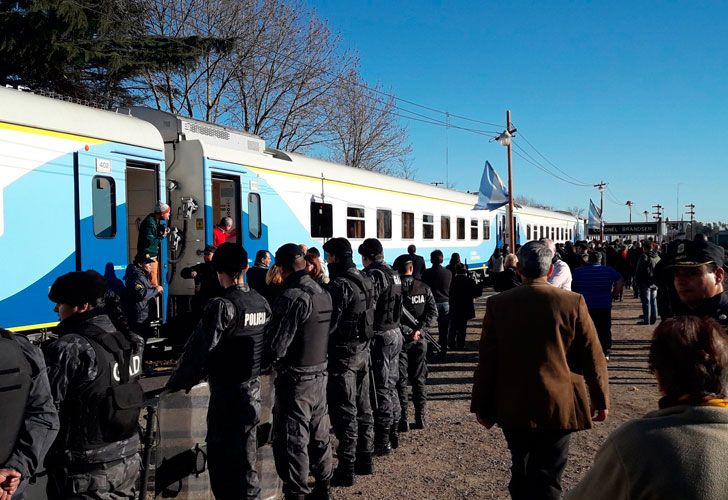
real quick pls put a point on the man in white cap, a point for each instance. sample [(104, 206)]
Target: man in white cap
[(151, 233)]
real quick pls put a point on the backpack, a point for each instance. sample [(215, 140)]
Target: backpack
[(15, 380)]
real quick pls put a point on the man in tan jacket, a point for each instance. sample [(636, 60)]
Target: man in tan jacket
[(541, 374)]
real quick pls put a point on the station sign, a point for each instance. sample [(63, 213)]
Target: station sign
[(626, 228)]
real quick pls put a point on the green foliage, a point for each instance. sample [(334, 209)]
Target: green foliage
[(88, 49)]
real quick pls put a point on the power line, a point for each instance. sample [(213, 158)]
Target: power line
[(520, 133), (540, 167)]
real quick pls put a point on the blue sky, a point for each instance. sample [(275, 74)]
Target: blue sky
[(634, 93)]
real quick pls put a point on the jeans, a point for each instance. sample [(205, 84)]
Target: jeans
[(648, 296)]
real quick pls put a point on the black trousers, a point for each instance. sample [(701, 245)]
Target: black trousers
[(538, 460), (350, 407), (413, 370), (232, 442), (602, 319)]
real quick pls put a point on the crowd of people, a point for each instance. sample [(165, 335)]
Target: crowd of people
[(345, 343), (542, 371)]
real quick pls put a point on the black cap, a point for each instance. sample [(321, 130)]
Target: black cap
[(287, 254), (144, 258), (400, 263), (339, 247), (209, 249), (230, 258), (371, 247), (78, 288), (686, 253)]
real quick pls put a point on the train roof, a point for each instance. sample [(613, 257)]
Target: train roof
[(46, 113)]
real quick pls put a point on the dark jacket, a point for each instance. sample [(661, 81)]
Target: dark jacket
[(139, 291), (40, 424), (255, 277), (715, 307), (150, 231), (438, 279), (209, 285), (506, 280), (72, 364), (418, 265), (423, 314), (462, 292)]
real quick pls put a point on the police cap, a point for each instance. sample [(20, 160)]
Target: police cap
[(338, 247), (230, 259), (287, 254), (78, 288), (371, 247), (686, 253), (400, 263)]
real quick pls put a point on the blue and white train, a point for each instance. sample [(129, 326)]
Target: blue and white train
[(75, 182)]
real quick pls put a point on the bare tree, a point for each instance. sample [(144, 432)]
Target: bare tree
[(365, 129)]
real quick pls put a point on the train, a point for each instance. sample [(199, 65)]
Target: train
[(75, 182)]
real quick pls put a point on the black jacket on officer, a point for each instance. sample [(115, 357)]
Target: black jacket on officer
[(28, 418)]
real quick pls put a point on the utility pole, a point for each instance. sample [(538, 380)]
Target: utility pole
[(630, 204), (691, 213), (447, 150), (646, 213), (505, 138), (601, 187), (658, 216)]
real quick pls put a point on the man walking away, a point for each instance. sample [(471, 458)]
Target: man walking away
[(599, 285), (438, 279), (352, 323), (299, 337), (538, 340), (28, 416), (386, 343), (418, 262), (94, 373), (419, 310), (463, 291), (227, 346), (646, 281)]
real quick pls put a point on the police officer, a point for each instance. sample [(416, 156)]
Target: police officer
[(228, 345), (28, 417), (352, 296), (139, 292), (207, 286), (386, 343), (299, 337), (93, 372), (418, 312), (698, 274)]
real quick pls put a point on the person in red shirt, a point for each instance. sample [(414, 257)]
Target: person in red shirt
[(223, 232)]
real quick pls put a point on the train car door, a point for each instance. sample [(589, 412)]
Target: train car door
[(225, 200)]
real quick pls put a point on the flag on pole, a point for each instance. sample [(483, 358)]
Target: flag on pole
[(492, 193), (595, 216)]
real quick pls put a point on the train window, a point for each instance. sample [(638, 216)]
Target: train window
[(384, 223), (473, 229), (460, 223), (428, 226), (552, 234), (408, 225), (255, 227), (322, 220), (103, 200), (445, 227), (528, 232), (355, 222), (486, 229), (542, 233)]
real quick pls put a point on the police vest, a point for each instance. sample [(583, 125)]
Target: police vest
[(416, 298), (15, 380), (106, 409), (237, 357), (357, 321), (311, 341), (388, 311)]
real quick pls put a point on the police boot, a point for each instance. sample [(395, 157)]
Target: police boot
[(419, 419), (382, 446), (403, 423), (320, 491), (363, 465), (343, 476), (394, 437)]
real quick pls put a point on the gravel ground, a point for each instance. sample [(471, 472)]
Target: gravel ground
[(455, 458)]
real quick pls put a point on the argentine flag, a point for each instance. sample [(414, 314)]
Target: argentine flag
[(492, 193), (595, 216)]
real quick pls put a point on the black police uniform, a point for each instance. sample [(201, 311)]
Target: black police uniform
[(348, 388), (28, 418), (299, 337), (139, 291), (386, 345), (206, 284), (228, 345), (715, 307), (89, 457), (421, 309)]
